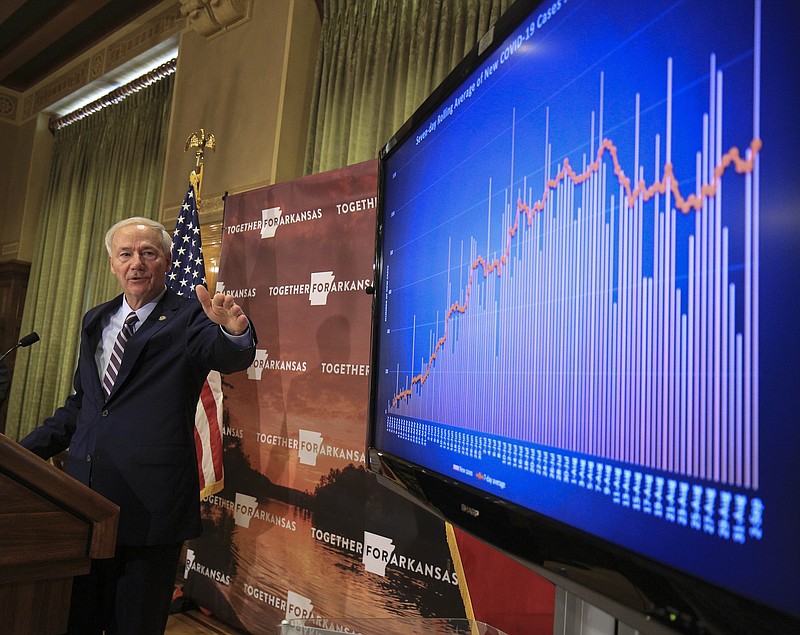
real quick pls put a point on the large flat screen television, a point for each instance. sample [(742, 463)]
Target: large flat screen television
[(587, 306)]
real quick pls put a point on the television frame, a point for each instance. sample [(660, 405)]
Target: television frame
[(641, 592)]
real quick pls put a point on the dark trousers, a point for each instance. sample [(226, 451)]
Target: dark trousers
[(128, 594)]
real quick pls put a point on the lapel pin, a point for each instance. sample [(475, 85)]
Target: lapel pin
[(162, 318)]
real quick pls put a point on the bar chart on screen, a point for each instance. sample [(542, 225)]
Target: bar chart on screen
[(606, 308)]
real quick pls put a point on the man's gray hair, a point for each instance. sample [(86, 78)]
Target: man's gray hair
[(166, 239)]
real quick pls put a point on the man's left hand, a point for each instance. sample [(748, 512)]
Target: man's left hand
[(223, 310)]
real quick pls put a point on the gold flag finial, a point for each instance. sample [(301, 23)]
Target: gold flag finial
[(201, 141)]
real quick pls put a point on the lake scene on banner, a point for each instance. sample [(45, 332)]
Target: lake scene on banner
[(290, 562)]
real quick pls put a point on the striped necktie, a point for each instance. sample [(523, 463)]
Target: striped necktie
[(115, 361)]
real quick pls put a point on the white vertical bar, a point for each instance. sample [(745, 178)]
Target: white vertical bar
[(636, 344), (624, 313), (726, 472), (611, 341), (742, 435), (666, 344), (647, 354), (668, 140), (684, 415), (549, 324), (718, 324), (643, 436), (602, 99), (696, 341), (674, 342), (703, 332), (662, 335), (733, 382), (756, 235), (748, 333), (657, 311)]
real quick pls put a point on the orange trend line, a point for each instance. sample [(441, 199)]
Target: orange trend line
[(684, 204)]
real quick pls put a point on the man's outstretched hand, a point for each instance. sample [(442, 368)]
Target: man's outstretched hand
[(223, 310)]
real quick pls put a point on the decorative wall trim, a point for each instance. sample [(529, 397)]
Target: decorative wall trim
[(8, 106), (212, 208), (59, 87), (97, 65), (10, 248), (156, 30)]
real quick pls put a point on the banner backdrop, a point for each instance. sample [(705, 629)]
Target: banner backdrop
[(302, 529)]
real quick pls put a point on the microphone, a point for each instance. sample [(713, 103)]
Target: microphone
[(30, 338)]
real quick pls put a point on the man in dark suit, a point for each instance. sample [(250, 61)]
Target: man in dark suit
[(129, 425)]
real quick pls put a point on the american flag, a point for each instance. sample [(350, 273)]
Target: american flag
[(188, 270)]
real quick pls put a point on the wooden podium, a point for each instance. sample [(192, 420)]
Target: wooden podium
[(50, 527)]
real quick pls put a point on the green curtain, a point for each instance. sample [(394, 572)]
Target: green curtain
[(106, 167), (378, 61)]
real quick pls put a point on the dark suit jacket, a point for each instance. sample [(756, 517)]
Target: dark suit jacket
[(137, 449)]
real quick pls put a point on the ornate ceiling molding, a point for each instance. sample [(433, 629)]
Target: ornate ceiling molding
[(211, 18), (18, 108)]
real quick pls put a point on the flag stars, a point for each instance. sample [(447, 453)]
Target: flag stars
[(188, 268)]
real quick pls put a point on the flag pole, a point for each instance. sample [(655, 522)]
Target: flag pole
[(187, 247)]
